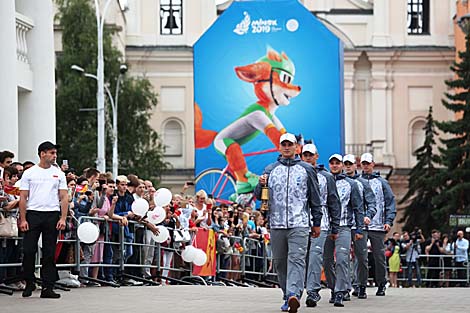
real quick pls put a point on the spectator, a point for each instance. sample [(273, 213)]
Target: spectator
[(203, 210), (394, 260), (434, 250), (27, 165), (19, 167), (447, 256), (6, 158), (461, 258), (412, 248)]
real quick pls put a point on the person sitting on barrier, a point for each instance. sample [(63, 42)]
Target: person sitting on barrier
[(204, 209)]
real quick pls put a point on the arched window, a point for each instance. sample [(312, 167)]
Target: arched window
[(417, 138), (173, 138)]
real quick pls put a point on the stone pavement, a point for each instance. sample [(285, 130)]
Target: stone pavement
[(196, 299)]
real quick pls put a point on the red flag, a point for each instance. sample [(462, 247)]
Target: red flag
[(206, 240), (12, 190)]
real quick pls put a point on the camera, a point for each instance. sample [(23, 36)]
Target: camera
[(416, 234)]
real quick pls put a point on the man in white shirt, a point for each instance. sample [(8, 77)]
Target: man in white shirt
[(43, 210), (461, 257)]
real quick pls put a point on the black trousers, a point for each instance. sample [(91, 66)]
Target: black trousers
[(41, 223)]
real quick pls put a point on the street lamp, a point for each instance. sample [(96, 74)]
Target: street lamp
[(114, 106)]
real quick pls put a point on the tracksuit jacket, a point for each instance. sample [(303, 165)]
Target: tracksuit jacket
[(330, 203), (294, 195), (385, 202), (351, 202), (368, 198)]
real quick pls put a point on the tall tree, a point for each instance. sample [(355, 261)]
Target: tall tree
[(423, 185), (140, 150), (455, 194)]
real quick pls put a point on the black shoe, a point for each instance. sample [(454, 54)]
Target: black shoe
[(293, 304), (49, 293), (380, 290), (339, 297), (346, 296), (362, 292), (312, 299), (28, 290), (332, 298), (355, 292)]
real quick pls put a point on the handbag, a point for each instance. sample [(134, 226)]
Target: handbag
[(181, 235), (8, 226)]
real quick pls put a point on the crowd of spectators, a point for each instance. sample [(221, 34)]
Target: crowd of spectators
[(445, 256), (93, 194)]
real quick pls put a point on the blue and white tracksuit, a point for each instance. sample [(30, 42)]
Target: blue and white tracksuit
[(294, 205), (386, 212), (338, 273)]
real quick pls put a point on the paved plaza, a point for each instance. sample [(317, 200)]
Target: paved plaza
[(230, 300)]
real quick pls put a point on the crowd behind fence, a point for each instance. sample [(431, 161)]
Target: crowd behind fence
[(241, 261)]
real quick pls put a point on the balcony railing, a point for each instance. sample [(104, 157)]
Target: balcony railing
[(23, 25), (358, 148)]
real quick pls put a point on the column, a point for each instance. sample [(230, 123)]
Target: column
[(37, 108), (350, 57), (8, 79)]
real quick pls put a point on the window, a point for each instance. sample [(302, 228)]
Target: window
[(171, 17), (418, 17), (173, 138)]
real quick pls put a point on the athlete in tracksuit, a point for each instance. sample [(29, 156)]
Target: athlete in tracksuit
[(382, 220), (360, 265), (331, 209), (294, 212), (337, 273)]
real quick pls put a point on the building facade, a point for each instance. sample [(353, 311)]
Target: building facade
[(27, 82)]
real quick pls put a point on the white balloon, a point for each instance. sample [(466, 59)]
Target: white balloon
[(156, 216), (201, 257), (163, 197), (188, 254), (163, 234), (140, 207), (88, 232)]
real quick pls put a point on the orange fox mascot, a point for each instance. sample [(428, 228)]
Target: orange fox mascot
[(272, 77)]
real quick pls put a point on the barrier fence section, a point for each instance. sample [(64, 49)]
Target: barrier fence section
[(134, 258)]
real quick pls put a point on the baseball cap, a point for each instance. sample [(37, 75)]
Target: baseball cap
[(310, 147), (288, 137), (367, 157), (46, 146), (349, 158), (336, 156)]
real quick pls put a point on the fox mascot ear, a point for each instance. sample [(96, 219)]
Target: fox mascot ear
[(254, 72)]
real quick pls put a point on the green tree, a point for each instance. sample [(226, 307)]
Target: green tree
[(455, 195), (423, 185), (140, 150)]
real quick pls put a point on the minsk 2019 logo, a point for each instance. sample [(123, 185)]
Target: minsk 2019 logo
[(257, 26)]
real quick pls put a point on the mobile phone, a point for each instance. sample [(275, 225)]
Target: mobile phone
[(65, 162), (190, 183)]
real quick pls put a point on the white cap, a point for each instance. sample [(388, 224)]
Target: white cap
[(367, 157), (288, 137), (349, 158), (310, 147), (336, 156)]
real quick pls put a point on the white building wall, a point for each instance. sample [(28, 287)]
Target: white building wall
[(8, 79)]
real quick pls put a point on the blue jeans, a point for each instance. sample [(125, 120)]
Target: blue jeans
[(409, 271)]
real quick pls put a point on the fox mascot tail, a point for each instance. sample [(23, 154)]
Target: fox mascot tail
[(203, 137)]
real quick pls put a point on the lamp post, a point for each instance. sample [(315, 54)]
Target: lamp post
[(101, 154), (114, 106)]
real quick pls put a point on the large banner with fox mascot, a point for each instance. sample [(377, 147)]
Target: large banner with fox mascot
[(264, 68)]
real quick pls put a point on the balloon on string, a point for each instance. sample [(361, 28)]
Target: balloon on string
[(200, 258), (88, 232), (188, 254), (163, 234), (157, 215), (162, 197), (140, 207)]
